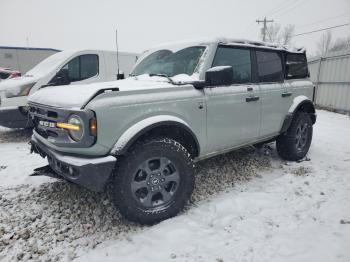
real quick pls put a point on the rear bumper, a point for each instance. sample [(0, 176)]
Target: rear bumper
[(12, 117), (91, 173)]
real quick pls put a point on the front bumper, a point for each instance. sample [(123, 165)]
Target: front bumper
[(12, 117), (92, 173)]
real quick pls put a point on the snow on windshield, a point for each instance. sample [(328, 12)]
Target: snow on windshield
[(49, 64), (171, 61)]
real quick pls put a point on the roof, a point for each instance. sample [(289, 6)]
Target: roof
[(238, 42), (29, 48)]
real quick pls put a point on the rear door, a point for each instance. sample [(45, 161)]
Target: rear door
[(233, 112), (270, 75)]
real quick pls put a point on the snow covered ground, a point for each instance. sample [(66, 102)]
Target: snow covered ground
[(247, 206)]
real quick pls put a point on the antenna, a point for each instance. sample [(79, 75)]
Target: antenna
[(116, 42)]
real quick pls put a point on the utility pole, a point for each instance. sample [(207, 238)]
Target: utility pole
[(263, 30)]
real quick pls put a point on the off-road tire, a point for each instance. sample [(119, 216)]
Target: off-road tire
[(286, 143), (125, 198)]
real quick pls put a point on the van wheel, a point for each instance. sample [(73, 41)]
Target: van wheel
[(154, 181), (295, 143)]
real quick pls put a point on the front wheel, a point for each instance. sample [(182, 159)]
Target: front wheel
[(154, 181), (295, 143)]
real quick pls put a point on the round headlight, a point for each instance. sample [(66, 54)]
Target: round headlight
[(77, 134)]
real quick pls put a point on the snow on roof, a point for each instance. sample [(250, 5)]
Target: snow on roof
[(232, 41)]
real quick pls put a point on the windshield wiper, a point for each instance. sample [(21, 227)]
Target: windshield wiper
[(166, 76)]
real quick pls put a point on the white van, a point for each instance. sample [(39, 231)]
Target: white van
[(63, 68)]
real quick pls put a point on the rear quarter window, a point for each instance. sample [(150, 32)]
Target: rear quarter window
[(296, 66)]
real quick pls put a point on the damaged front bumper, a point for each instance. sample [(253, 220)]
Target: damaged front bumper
[(92, 173)]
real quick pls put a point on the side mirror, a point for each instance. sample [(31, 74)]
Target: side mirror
[(120, 75), (219, 76), (61, 78)]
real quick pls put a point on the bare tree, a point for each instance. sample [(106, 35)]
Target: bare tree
[(325, 42), (273, 33), (276, 34), (287, 34), (341, 43)]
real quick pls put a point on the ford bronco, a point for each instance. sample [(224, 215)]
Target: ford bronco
[(182, 103)]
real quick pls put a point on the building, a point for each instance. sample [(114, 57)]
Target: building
[(22, 58)]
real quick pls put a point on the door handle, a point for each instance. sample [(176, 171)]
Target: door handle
[(200, 105), (252, 98), (286, 94)]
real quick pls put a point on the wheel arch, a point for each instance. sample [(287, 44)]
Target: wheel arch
[(300, 103), (164, 125)]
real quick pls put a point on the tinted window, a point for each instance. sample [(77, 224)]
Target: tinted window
[(269, 66), (296, 66), (240, 61), (72, 68), (82, 67), (88, 66)]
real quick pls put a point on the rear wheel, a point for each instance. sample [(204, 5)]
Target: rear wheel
[(295, 143), (154, 181)]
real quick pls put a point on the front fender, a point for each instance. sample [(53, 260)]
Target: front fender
[(136, 130)]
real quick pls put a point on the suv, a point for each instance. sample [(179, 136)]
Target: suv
[(182, 103)]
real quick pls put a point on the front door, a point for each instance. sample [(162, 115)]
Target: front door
[(233, 112)]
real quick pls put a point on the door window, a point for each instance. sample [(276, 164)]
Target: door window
[(269, 66), (239, 59), (82, 67)]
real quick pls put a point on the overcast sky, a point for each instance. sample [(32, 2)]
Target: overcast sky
[(64, 24)]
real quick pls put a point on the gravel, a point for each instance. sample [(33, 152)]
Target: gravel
[(58, 221)]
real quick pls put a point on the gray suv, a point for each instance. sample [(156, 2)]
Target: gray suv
[(182, 103)]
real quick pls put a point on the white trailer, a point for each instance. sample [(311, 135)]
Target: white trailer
[(68, 67)]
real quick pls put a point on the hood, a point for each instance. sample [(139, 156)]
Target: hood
[(16, 82), (76, 96)]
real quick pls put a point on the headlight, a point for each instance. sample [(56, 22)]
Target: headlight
[(77, 130), (19, 91)]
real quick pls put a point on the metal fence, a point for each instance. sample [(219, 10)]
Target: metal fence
[(331, 76)]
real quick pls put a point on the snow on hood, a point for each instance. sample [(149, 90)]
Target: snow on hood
[(76, 96), (16, 82)]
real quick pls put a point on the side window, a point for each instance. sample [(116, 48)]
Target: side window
[(88, 66), (296, 66), (72, 69), (81, 67), (239, 59), (269, 66)]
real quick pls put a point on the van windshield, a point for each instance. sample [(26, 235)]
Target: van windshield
[(170, 62), (49, 64)]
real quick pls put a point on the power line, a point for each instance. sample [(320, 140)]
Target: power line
[(324, 20), (297, 4), (286, 7), (278, 8), (323, 29)]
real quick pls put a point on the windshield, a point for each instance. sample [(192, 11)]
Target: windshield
[(49, 64), (170, 63)]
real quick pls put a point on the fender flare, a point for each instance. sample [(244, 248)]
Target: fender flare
[(137, 130), (298, 103)]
